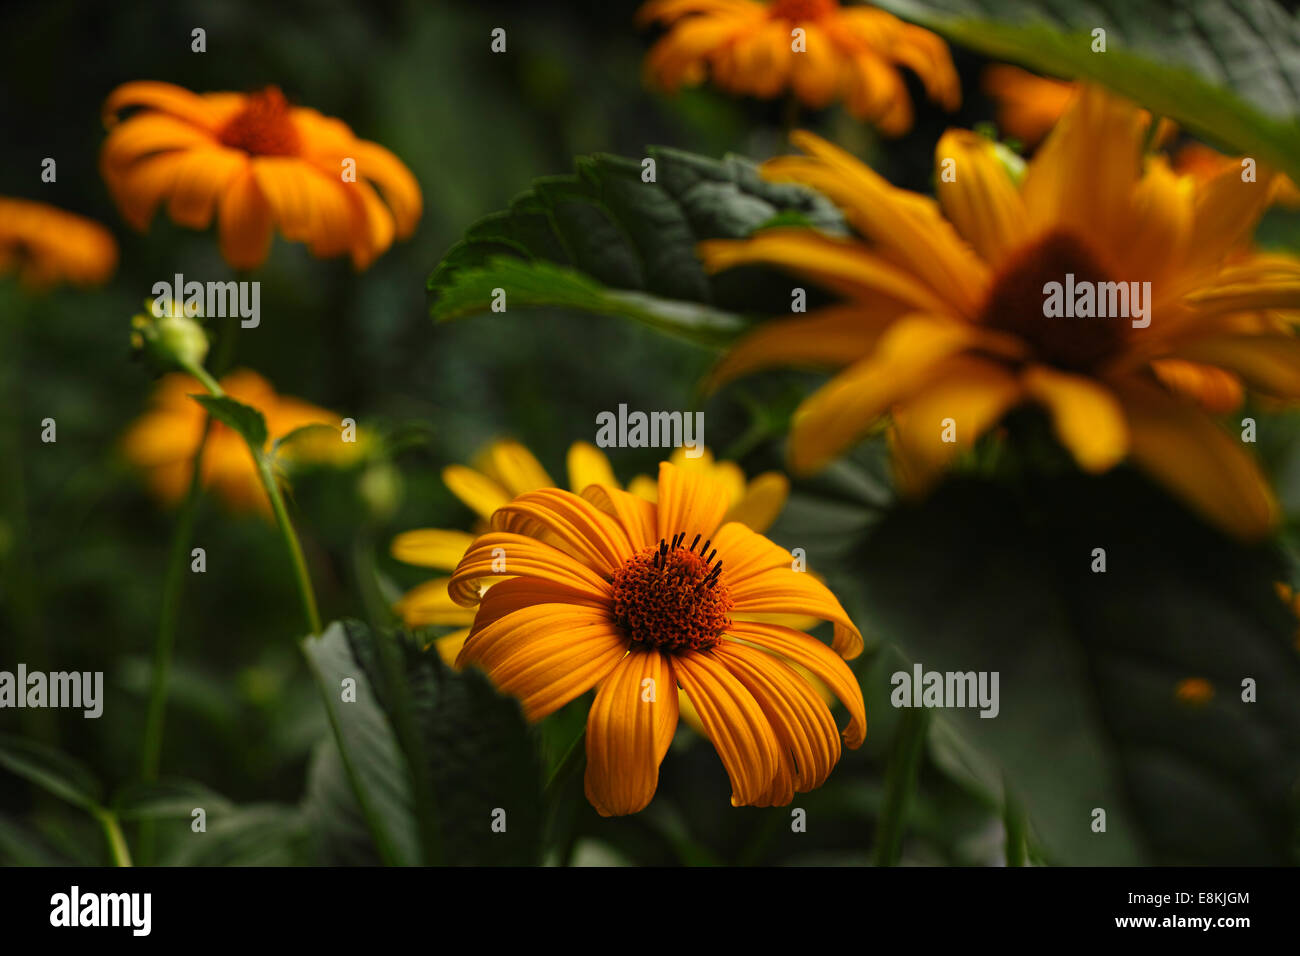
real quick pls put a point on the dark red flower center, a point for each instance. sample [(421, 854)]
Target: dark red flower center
[(800, 10), (672, 597), (263, 127), (1016, 304)]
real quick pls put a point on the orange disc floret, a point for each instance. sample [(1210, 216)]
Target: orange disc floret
[(672, 598)]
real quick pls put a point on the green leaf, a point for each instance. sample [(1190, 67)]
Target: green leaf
[(52, 770), (254, 835), (983, 578), (169, 799), (1227, 70), (245, 419), (606, 241), (371, 761), (290, 437), (540, 284), (477, 749)]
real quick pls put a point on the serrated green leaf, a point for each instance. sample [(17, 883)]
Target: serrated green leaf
[(51, 770), (371, 759), (1227, 70), (245, 419), (605, 240), (1089, 663), (479, 753)]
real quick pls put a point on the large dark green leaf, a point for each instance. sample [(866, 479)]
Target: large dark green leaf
[(51, 770), (604, 240), (477, 750), (1089, 663), (371, 760), (1228, 70)]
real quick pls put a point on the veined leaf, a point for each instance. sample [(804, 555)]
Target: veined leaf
[(245, 419), (606, 240)]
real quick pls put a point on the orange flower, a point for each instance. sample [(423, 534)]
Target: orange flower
[(45, 245), (1028, 105), (254, 162), (164, 439), (607, 590), (751, 48)]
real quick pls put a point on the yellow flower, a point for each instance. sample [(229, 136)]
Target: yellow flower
[(1030, 105), (606, 590), (46, 246), (853, 53), (945, 313), (254, 162), (164, 439), (506, 470)]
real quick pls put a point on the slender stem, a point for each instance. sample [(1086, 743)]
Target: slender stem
[(117, 847), (165, 643), (272, 487), (303, 577), (900, 784), (1013, 820)]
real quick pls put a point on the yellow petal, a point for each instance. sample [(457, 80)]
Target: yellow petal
[(1086, 417), (629, 728), (588, 465), (762, 502), (431, 547), (980, 198), (476, 490)]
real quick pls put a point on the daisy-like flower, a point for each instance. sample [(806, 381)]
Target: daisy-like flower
[(606, 590), (1030, 105), (850, 53), (946, 323), (507, 469), (162, 442), (256, 164), (46, 246)]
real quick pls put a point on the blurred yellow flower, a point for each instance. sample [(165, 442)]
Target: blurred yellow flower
[(1030, 105), (254, 162), (505, 470), (46, 246), (162, 442), (642, 601), (947, 325), (817, 48)]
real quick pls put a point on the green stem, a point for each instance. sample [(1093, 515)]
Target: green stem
[(165, 643), (1013, 821), (117, 847), (900, 785), (303, 577)]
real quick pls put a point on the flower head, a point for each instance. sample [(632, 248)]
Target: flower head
[(946, 317), (256, 164), (752, 48), (164, 439), (606, 590), (46, 246), (507, 469)]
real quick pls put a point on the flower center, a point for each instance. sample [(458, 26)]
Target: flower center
[(1017, 304), (263, 127), (672, 598), (797, 10)]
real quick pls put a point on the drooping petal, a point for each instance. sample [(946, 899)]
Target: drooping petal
[(734, 723), (1087, 418), (821, 660), (245, 223), (807, 739), (629, 727), (786, 591)]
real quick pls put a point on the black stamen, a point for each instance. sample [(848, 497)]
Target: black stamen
[(695, 542), (711, 554)]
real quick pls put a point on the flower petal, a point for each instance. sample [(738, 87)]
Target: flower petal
[(431, 547), (629, 728), (1087, 418)]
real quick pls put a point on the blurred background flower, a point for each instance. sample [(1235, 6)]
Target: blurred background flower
[(254, 162), (45, 246)]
